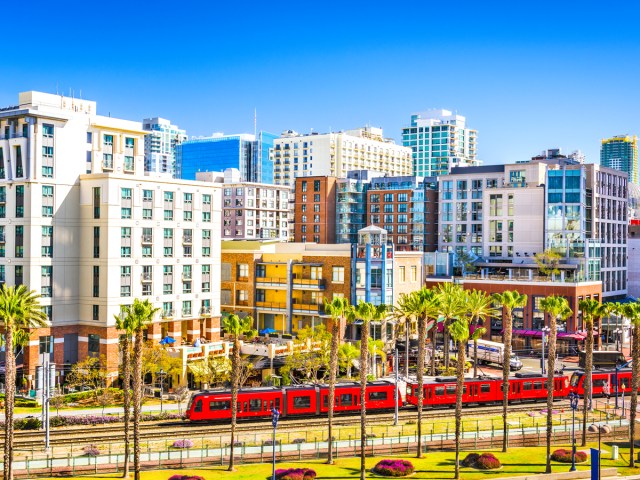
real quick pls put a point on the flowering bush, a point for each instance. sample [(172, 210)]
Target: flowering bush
[(486, 461), (91, 451), (295, 474), (564, 456), (186, 477), (185, 443), (394, 468)]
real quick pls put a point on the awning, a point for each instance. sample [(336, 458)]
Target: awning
[(537, 333)]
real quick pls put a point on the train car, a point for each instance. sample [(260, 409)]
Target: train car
[(527, 387), (599, 377), (301, 400), (380, 396), (216, 404)]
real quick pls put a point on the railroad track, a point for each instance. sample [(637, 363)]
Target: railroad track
[(154, 431)]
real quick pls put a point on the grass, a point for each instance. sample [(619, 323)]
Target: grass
[(436, 465)]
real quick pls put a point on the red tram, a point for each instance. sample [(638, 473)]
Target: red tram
[(599, 377)]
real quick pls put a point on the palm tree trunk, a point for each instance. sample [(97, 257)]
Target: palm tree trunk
[(588, 368), (446, 346), (461, 360), (506, 370), (475, 358), (635, 383), (551, 366), (333, 371), (422, 338), (406, 346), (126, 401), (10, 392), (235, 375), (433, 347), (137, 401), (364, 359)]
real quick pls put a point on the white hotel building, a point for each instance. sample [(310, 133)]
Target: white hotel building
[(82, 225)]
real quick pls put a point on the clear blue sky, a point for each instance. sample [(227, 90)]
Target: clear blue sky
[(527, 75)]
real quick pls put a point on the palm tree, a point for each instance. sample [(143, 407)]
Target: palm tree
[(123, 322), (450, 301), (478, 305), (338, 309), (19, 310), (139, 316), (235, 326), (477, 334), (632, 312), (376, 348), (557, 307), (366, 312), (591, 309), (510, 300), (347, 353), (405, 318), (459, 330)]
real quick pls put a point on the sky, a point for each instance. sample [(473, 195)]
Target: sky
[(527, 75)]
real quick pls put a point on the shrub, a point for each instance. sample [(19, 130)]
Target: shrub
[(185, 443), (470, 460), (564, 456), (394, 468), (487, 461), (295, 474), (91, 451), (28, 423), (186, 477)]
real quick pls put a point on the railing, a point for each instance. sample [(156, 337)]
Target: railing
[(107, 165), (308, 282), (147, 238), (307, 307), (187, 276), (167, 313), (272, 280), (147, 277), (188, 239), (186, 312), (271, 305), (243, 279), (205, 311), (243, 303)]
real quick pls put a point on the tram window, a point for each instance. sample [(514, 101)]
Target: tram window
[(527, 386), (219, 405), (277, 404), (377, 396), (485, 388), (346, 399), (255, 405), (575, 379), (270, 405), (198, 407), (464, 390), (439, 391), (599, 382), (451, 389), (325, 401), (302, 402), (537, 385), (264, 405)]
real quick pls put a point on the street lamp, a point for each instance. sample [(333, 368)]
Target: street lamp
[(275, 415), (397, 362), (617, 332), (545, 332), (573, 398)]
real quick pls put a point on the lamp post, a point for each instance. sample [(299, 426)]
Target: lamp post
[(545, 332), (397, 362), (573, 398), (617, 333), (275, 415), (161, 375)]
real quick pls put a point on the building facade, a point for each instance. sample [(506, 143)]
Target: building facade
[(334, 154), (86, 228), (160, 146), (247, 152), (315, 209), (621, 153), (439, 140)]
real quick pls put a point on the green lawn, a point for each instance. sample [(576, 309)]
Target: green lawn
[(437, 465)]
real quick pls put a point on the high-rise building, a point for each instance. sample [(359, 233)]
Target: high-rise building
[(439, 140), (160, 146), (335, 154), (247, 152), (315, 209), (82, 224), (621, 153)]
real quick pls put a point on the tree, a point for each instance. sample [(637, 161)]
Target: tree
[(347, 353), (19, 310), (477, 334), (510, 300), (464, 261), (89, 373), (310, 366), (236, 327), (459, 330), (405, 318), (451, 304), (123, 323), (366, 312), (632, 312), (137, 317), (105, 398), (591, 310), (212, 371), (376, 347), (155, 357), (181, 394), (57, 401), (338, 309), (556, 307), (548, 262), (478, 307)]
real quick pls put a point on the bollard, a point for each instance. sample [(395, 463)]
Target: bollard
[(614, 452)]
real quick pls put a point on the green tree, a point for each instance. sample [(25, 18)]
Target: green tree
[(123, 323), (236, 327), (89, 373), (479, 306), (338, 309), (19, 310), (632, 312), (451, 302), (556, 307), (509, 300), (548, 262), (137, 317), (459, 330), (367, 313), (212, 371), (347, 353), (591, 310)]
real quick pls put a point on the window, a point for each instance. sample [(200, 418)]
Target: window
[(125, 290), (96, 312), (168, 215), (20, 201), (19, 242), (338, 274), (147, 251), (206, 216), (243, 270), (346, 399), (302, 402), (187, 215), (96, 281), (221, 405), (147, 214), (125, 252), (46, 344), (125, 213), (316, 185), (94, 343), (402, 277), (96, 202), (125, 232), (47, 131), (125, 193), (168, 251), (380, 396), (206, 199)]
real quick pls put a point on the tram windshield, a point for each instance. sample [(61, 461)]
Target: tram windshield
[(575, 379)]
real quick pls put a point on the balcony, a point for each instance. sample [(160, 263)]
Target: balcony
[(307, 308), (147, 239), (187, 275), (278, 306), (242, 303), (242, 278), (271, 281), (304, 283), (147, 277), (108, 165), (205, 311), (167, 314), (187, 239), (186, 312)]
